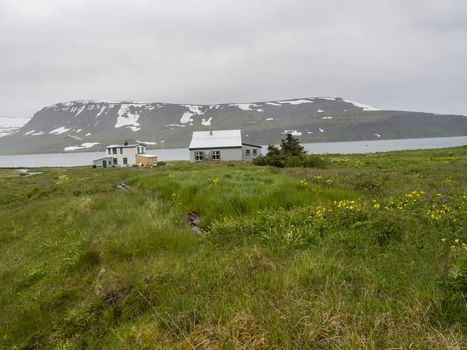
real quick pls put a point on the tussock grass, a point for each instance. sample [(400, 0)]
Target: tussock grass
[(352, 256)]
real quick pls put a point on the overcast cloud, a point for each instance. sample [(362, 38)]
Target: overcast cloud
[(393, 54)]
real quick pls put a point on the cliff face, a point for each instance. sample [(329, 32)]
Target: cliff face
[(90, 125)]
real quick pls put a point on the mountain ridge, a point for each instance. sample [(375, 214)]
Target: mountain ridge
[(87, 125)]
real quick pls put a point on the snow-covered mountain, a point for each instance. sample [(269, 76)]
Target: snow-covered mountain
[(9, 125), (90, 125)]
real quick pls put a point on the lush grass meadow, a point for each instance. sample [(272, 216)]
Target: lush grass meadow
[(366, 253)]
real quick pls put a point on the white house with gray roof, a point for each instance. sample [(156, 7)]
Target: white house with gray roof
[(124, 155), (221, 145)]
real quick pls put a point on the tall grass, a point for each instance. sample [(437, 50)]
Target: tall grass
[(233, 191)]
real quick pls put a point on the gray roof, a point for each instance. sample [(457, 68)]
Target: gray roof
[(216, 139), (126, 146)]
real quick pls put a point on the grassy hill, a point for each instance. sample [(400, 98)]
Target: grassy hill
[(367, 253)]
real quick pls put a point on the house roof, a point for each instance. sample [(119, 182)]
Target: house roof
[(126, 146), (105, 158), (251, 145), (216, 139), (147, 155)]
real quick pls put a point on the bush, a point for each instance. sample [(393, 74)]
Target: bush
[(289, 155)]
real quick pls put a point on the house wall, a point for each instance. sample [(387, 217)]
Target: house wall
[(100, 162), (252, 155), (226, 153), (124, 152)]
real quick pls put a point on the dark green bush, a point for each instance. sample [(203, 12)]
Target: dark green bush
[(289, 155)]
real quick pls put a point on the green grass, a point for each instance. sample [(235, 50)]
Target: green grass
[(344, 257)]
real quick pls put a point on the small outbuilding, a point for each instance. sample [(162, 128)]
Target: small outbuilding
[(147, 160), (102, 162), (221, 145)]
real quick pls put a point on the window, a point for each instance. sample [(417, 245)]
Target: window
[(109, 150), (121, 150), (114, 160), (247, 152), (198, 156), (255, 151), (215, 155), (114, 150)]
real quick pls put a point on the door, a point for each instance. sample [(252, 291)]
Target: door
[(104, 164)]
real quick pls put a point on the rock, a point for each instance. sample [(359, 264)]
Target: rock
[(123, 186), (194, 219)]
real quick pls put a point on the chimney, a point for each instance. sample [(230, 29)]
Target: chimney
[(126, 143)]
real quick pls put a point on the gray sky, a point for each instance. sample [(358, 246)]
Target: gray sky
[(392, 54)]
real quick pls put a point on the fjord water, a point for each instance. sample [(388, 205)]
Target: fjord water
[(86, 158)]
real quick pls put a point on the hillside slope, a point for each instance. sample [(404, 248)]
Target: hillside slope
[(90, 125)]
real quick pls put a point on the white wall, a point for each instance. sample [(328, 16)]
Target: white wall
[(251, 148), (226, 153)]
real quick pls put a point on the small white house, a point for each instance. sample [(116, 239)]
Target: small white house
[(221, 145), (124, 155)]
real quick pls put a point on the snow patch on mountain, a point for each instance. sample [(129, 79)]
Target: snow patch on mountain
[(292, 132), (147, 142), (206, 122), (74, 137), (296, 102), (172, 125), (103, 108), (244, 106), (82, 146), (58, 131), (186, 118), (80, 110), (193, 110), (361, 105), (126, 118)]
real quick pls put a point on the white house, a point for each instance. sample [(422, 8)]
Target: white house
[(124, 155), (221, 145)]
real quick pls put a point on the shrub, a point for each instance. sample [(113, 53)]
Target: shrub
[(289, 155)]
